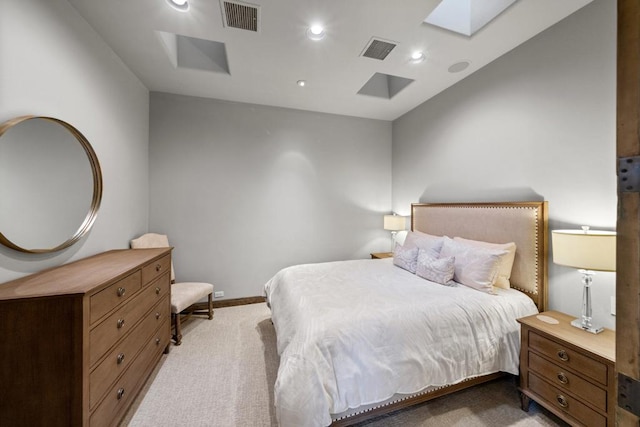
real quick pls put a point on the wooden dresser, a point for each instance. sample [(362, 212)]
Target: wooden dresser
[(79, 341), (569, 371)]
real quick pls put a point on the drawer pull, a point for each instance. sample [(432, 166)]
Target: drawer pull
[(157, 341), (563, 355), (120, 393), (158, 267), (157, 291), (562, 401), (120, 358), (120, 323), (563, 378), (157, 315), (121, 292)]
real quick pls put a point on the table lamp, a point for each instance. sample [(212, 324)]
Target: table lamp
[(393, 223), (587, 250)]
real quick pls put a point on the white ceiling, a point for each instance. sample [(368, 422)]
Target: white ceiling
[(265, 66)]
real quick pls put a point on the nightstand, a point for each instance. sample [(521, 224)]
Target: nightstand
[(569, 371), (380, 255)]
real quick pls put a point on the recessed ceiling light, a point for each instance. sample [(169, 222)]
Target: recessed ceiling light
[(417, 57), (301, 83), (459, 66), (181, 5), (316, 32)]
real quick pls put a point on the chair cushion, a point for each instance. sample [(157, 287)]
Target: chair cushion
[(187, 293)]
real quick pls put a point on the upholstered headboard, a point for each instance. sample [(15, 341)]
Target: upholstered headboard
[(524, 223)]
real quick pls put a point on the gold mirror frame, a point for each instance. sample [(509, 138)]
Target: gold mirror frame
[(97, 185)]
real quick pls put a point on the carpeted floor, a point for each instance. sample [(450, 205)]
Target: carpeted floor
[(224, 371)]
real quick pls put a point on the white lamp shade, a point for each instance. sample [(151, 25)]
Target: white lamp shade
[(590, 250), (394, 222)]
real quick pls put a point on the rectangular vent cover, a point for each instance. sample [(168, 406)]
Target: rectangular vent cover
[(240, 15), (378, 49)]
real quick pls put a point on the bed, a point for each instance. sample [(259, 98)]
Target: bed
[(361, 338)]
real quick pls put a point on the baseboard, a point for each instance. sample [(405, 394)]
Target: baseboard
[(230, 302)]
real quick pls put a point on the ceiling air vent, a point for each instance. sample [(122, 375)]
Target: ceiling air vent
[(240, 15), (378, 48)]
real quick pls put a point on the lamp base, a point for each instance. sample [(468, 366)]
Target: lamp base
[(593, 329)]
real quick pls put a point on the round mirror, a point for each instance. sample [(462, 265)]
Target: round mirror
[(49, 192)]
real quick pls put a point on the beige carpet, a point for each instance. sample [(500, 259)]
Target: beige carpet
[(223, 375)]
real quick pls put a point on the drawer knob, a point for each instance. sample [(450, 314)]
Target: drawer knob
[(120, 358), (158, 267), (562, 401), (563, 378), (120, 323), (120, 393), (121, 292), (563, 355), (157, 291), (157, 315), (157, 341)]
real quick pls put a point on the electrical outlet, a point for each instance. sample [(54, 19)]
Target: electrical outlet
[(218, 294), (613, 306)]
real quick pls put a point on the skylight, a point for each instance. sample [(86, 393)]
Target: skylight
[(384, 85), (195, 54), (466, 16)]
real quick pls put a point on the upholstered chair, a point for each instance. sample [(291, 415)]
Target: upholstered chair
[(185, 295)]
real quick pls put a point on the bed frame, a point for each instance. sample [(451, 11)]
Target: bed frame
[(524, 223)]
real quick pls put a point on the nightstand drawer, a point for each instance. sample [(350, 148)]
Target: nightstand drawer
[(565, 380), (563, 402), (564, 356), (567, 370)]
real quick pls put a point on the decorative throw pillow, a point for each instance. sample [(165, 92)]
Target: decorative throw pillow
[(439, 270), (406, 258), (418, 239), (475, 267), (506, 261)]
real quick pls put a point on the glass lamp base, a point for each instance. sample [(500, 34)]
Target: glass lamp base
[(593, 329)]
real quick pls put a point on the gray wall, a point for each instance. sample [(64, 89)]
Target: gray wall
[(245, 190), (54, 64), (537, 123)]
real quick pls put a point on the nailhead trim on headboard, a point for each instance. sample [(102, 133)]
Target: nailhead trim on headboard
[(532, 269)]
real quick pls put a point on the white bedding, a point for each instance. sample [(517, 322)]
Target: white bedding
[(352, 333)]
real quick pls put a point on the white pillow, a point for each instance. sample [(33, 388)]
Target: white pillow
[(506, 261), (424, 241), (475, 267), (439, 270), (406, 258)]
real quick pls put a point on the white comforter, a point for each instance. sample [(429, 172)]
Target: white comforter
[(352, 333)]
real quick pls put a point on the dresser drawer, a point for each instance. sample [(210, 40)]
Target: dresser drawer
[(123, 354), (568, 358), (119, 396), (155, 269), (566, 380), (560, 400), (109, 298), (116, 326)]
